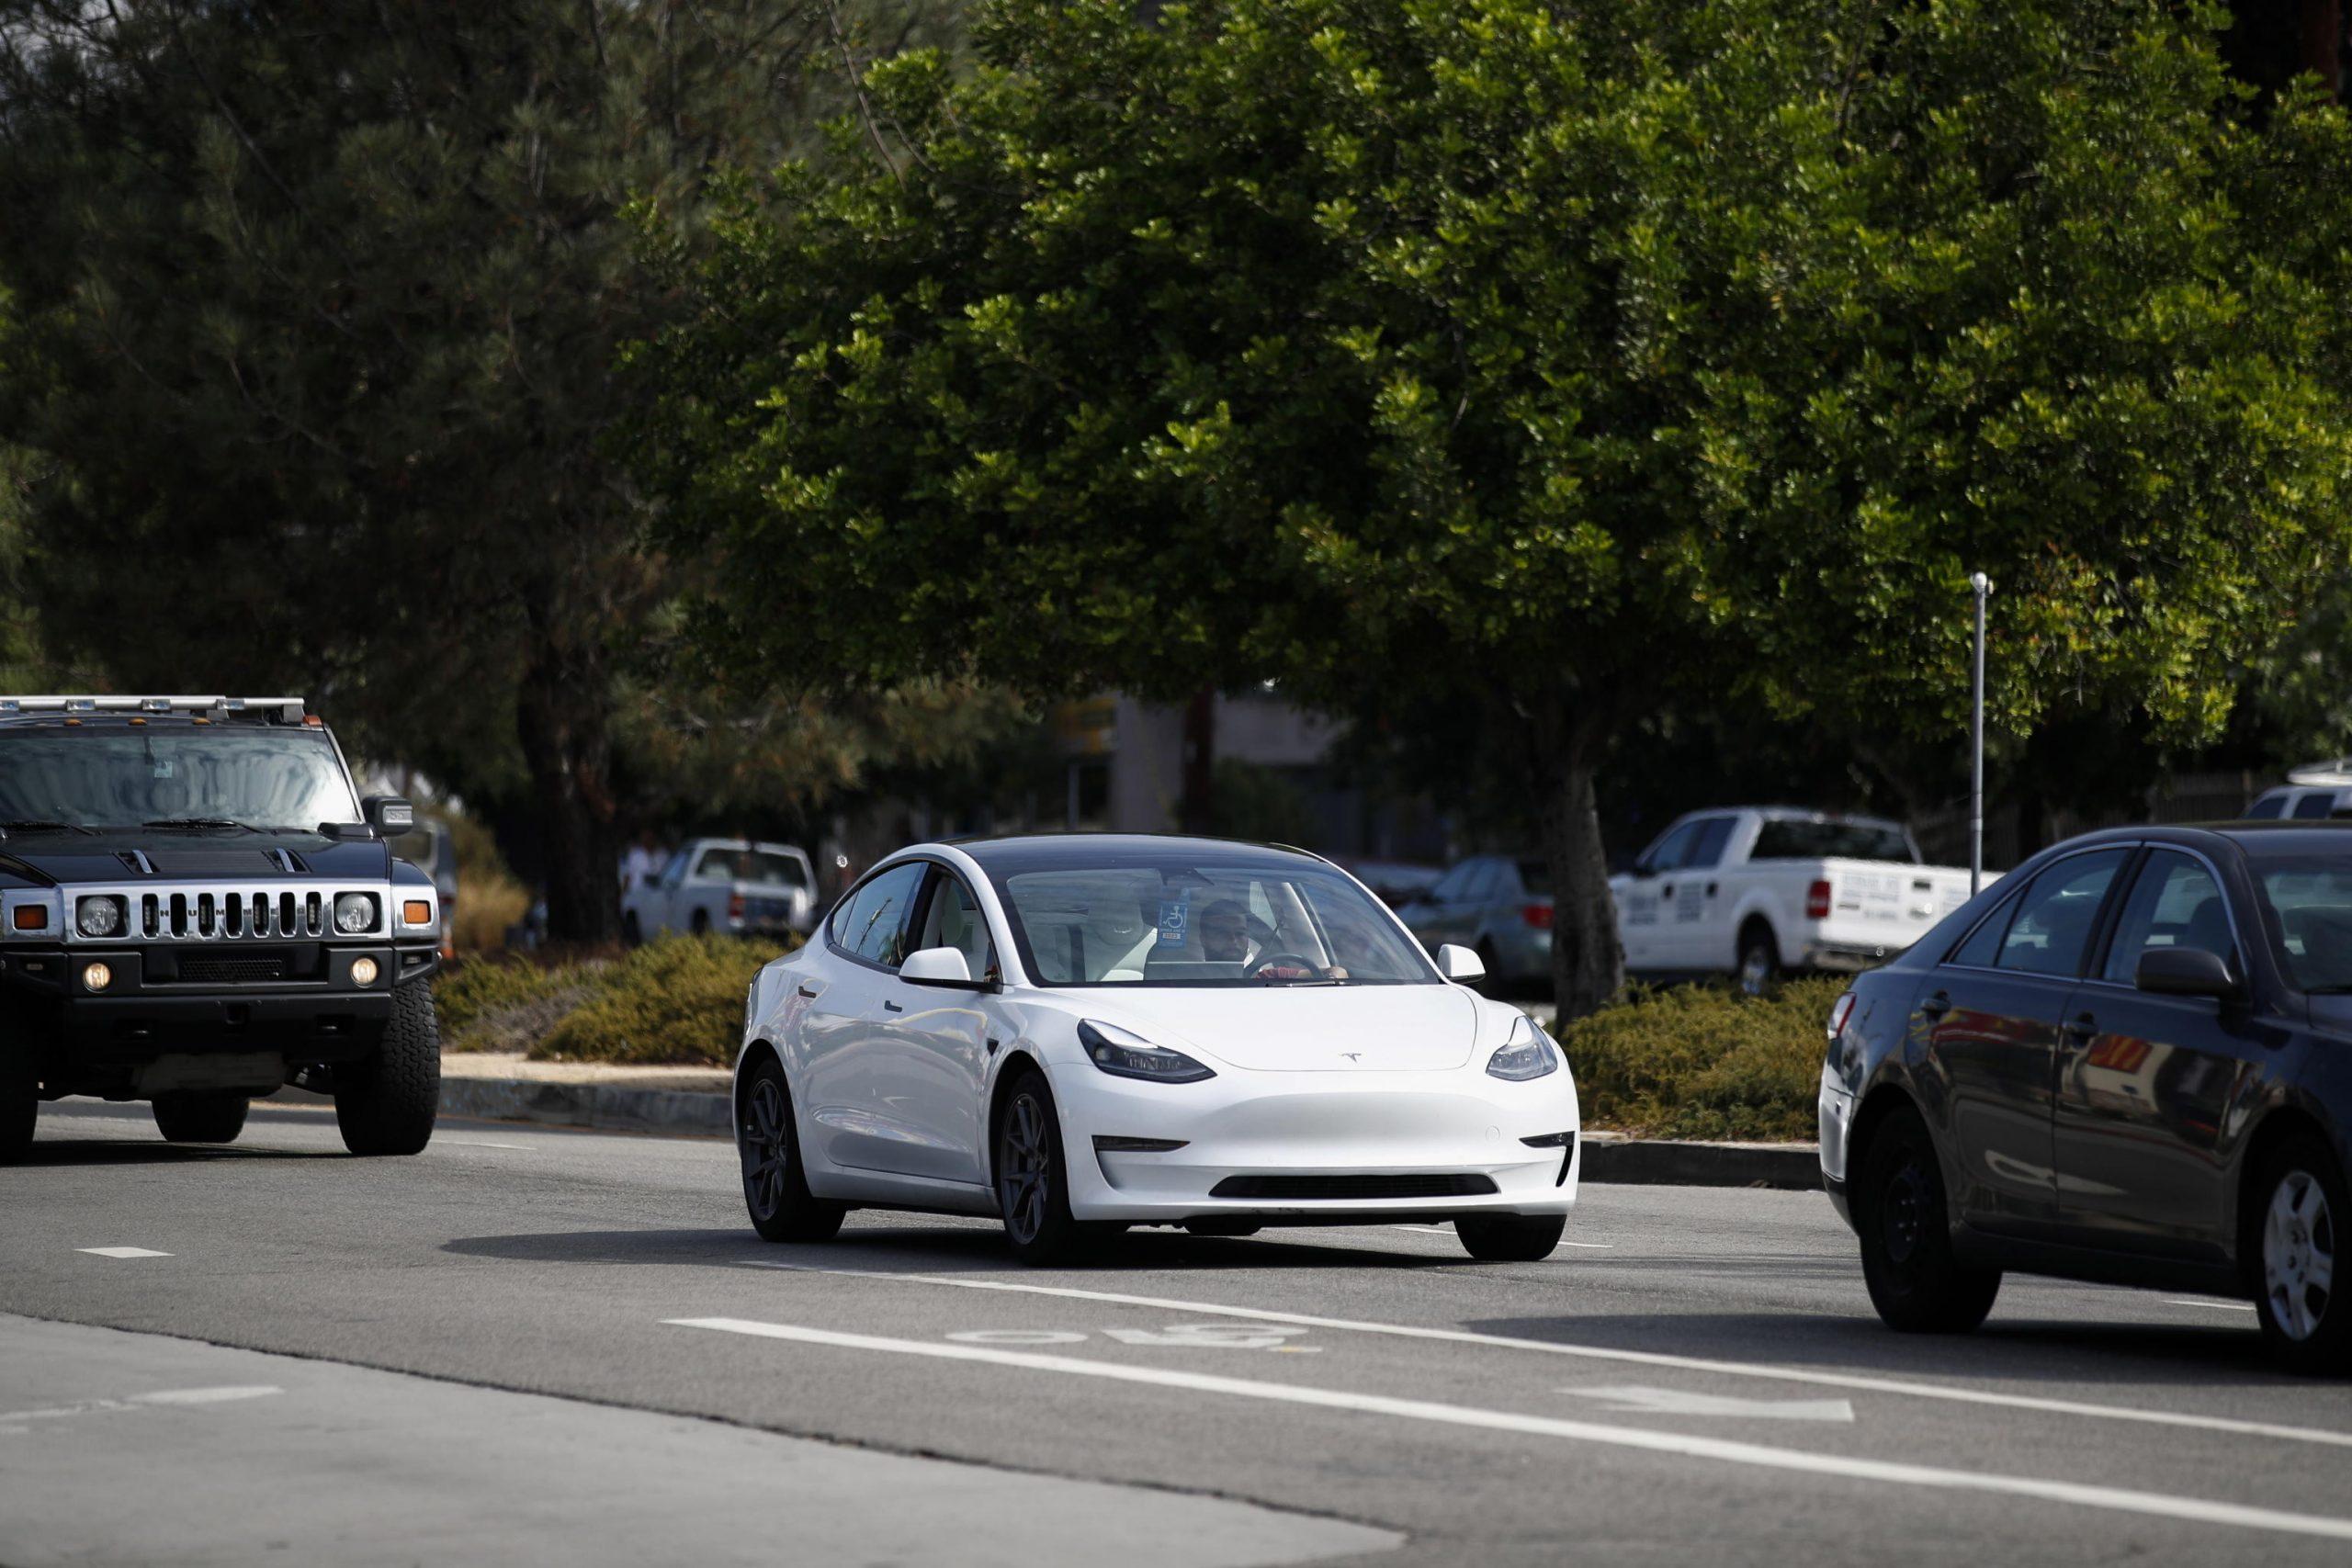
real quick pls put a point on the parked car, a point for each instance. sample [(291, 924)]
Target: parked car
[(725, 885), (1500, 907), (1755, 892), (1082, 1032), (1395, 883), (2130, 1063)]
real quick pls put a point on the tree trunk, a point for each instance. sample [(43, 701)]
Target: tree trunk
[(561, 714), (1196, 812), (1588, 964)]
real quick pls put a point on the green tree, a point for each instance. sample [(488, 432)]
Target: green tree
[(326, 299), (1553, 361)]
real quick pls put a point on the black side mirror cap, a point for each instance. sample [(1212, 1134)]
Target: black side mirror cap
[(388, 815), (2187, 972)]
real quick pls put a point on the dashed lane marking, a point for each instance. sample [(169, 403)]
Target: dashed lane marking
[(1635, 1358), (1642, 1401), (2217, 1306), (122, 1252), (1884, 1471)]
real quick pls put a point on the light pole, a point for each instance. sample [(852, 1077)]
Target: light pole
[(1982, 585)]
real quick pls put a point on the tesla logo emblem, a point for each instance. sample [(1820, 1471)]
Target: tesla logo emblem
[(1353, 1056)]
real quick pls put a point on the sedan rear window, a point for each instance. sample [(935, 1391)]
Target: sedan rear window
[(2312, 900)]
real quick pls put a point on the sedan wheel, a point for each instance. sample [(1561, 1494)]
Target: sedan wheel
[(2297, 1256), (1031, 1186), (1916, 1280), (775, 1189)]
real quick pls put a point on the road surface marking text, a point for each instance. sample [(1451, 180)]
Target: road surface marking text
[(2151, 1504), (13, 1422)]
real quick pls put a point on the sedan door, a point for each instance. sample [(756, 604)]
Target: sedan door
[(932, 1047), (1989, 1015), (2146, 1082), (842, 1035)]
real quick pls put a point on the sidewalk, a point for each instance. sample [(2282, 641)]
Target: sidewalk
[(692, 1102)]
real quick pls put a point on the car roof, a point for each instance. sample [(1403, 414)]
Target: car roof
[(1048, 852), (2267, 836)]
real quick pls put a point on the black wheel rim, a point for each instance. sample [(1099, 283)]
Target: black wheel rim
[(1905, 1219), (767, 1149), (1025, 1168)]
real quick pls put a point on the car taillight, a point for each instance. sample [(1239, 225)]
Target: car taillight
[(1816, 899), (1537, 916), (1839, 1014), (735, 907)]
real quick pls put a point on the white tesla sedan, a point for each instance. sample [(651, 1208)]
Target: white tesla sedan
[(1082, 1033)]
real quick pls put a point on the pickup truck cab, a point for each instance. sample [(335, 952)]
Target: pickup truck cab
[(732, 885), (195, 908), (1755, 892)]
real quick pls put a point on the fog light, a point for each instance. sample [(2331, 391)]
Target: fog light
[(363, 971), (98, 977)]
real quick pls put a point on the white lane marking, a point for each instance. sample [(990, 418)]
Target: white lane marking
[(1208, 1336), (1016, 1336), (484, 1144), (221, 1395), (122, 1252), (1684, 1402), (1425, 1230), (1448, 1230), (2217, 1306), (2154, 1504), (1635, 1358), (11, 1421)]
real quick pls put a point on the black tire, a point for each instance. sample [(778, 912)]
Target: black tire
[(1511, 1238), (386, 1104), (1916, 1282), (776, 1186), (2299, 1211), (201, 1116), (632, 932), (19, 1108), (700, 924), (1760, 962), (1031, 1182)]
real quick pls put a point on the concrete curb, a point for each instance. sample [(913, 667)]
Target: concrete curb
[(1609, 1157)]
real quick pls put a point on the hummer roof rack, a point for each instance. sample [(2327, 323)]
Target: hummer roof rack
[(286, 710)]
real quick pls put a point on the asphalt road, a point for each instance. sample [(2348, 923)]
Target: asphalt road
[(1698, 1377)]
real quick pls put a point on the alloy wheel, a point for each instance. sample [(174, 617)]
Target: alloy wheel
[(1904, 1215), (1025, 1168), (2298, 1255), (767, 1149)]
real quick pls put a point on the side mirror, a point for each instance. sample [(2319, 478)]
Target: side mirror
[(1460, 965), (388, 815), (2185, 972), (940, 966)]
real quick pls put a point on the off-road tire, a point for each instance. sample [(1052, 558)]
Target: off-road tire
[(2323, 1346), (386, 1104), (1511, 1238), (775, 1184), (19, 1107), (1916, 1282), (201, 1116)]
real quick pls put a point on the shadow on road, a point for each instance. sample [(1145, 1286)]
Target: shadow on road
[(929, 1249), (155, 1151), (2021, 1349)]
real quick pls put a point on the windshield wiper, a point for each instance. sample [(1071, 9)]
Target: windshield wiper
[(42, 825), (201, 822)]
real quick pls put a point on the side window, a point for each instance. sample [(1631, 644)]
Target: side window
[(2175, 903), (2055, 919), (955, 920), (716, 865), (1449, 888), (873, 921), (1482, 884), (1707, 848), (2316, 806), (1983, 943), (1670, 852), (675, 871), (2268, 807)]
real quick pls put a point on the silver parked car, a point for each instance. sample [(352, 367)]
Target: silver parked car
[(1498, 906), (725, 885)]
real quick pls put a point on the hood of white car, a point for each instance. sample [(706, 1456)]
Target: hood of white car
[(1294, 1029)]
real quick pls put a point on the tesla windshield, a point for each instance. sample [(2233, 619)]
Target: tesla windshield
[(2312, 898), (94, 777), (1185, 924)]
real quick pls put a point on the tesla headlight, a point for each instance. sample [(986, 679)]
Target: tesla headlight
[(99, 916), (355, 912), (1528, 1053), (1127, 1056)]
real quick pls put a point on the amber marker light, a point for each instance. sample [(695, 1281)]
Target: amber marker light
[(416, 912), (30, 917)]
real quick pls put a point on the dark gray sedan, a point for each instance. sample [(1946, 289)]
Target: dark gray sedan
[(2130, 1061)]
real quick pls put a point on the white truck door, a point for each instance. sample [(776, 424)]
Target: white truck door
[(1642, 912), (1695, 908)]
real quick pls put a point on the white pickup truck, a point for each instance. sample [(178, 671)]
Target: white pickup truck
[(1755, 892)]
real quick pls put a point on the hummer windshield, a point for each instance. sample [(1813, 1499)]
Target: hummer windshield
[(102, 776)]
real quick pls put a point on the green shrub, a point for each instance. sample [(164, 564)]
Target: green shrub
[(1703, 1061), (678, 999), (504, 1004)]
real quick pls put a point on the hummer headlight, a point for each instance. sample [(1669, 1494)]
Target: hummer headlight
[(100, 915), (1528, 1053), (355, 912)]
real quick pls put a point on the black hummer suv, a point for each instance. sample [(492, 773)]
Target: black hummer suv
[(195, 907)]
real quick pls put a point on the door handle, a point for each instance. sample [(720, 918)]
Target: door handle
[(1712, 886), (808, 991), (892, 1006), (1935, 1006), (2081, 1026), (1666, 889)]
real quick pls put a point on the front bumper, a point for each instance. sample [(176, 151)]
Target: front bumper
[(1377, 1132), (1836, 1117)]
